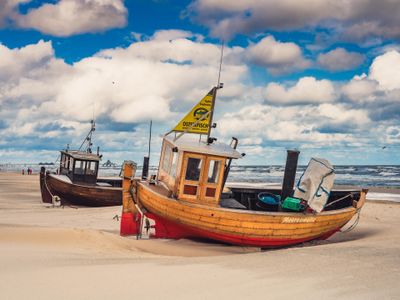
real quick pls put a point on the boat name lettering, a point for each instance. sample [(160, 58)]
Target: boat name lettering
[(298, 220)]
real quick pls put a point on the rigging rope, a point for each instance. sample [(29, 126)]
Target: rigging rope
[(337, 200), (354, 224)]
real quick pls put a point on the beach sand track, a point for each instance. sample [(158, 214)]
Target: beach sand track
[(48, 253)]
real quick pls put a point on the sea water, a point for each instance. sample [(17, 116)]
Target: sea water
[(365, 176)]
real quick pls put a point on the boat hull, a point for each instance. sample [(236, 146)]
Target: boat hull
[(76, 194), (179, 219)]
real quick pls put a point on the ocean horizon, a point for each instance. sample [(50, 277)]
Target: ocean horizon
[(355, 175)]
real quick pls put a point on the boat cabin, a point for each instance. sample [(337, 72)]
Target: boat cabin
[(192, 170), (80, 167)]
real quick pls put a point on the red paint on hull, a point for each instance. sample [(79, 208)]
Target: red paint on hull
[(167, 229), (130, 224)]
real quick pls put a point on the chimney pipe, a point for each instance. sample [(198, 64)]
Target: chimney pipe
[(145, 171), (290, 173)]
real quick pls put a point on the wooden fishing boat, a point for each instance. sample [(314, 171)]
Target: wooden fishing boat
[(76, 180), (188, 200)]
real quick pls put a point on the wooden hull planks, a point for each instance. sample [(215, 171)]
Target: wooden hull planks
[(76, 194), (242, 227)]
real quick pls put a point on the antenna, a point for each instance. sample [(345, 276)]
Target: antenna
[(220, 63), (219, 86), (94, 110), (151, 123)]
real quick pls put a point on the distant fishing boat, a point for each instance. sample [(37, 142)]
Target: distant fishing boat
[(77, 182), (188, 200)]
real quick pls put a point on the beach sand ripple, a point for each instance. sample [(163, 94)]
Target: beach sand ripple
[(77, 253)]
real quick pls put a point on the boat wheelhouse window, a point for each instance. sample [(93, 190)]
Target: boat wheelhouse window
[(79, 167), (91, 167), (174, 164), (70, 163), (62, 160), (193, 169), (166, 164), (213, 171)]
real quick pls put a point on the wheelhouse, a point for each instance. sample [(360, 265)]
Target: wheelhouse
[(79, 166), (193, 170)]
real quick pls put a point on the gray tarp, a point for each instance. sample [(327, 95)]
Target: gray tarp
[(315, 184)]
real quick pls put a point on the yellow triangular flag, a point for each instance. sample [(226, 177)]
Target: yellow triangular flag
[(198, 119)]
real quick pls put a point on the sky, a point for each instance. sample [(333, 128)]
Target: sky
[(320, 76)]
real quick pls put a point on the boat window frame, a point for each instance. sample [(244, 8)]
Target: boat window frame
[(89, 163), (71, 164), (215, 177), (62, 160), (174, 163), (184, 182), (197, 170), (82, 163), (167, 154)]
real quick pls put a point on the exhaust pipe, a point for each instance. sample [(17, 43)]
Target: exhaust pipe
[(290, 173), (145, 171)]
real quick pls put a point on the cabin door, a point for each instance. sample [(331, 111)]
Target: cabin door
[(192, 173), (210, 187), (201, 178)]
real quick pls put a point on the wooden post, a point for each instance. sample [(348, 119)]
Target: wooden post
[(130, 218)]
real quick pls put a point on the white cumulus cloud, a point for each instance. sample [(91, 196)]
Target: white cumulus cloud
[(340, 59), (306, 90), (44, 101), (354, 19), (385, 69), (381, 87), (277, 57), (9, 10), (69, 17)]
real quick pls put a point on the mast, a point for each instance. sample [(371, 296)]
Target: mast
[(188, 123), (218, 86), (88, 138), (151, 123)]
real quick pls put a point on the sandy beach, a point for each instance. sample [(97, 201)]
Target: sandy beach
[(77, 253)]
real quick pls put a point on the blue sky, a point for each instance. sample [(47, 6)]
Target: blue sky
[(319, 76)]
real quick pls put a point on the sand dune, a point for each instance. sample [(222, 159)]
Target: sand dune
[(48, 253)]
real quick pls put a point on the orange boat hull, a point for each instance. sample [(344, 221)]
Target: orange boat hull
[(179, 219)]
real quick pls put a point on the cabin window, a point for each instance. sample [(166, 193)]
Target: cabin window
[(213, 171), (70, 163), (62, 160), (174, 164), (79, 167), (167, 158), (193, 169), (91, 167)]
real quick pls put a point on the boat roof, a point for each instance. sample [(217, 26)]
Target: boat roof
[(76, 154), (192, 143)]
